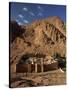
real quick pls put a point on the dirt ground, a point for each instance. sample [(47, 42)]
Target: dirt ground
[(50, 78)]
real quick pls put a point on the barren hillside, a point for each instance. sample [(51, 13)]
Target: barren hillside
[(46, 36)]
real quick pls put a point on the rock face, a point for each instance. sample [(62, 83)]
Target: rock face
[(46, 36), (15, 30)]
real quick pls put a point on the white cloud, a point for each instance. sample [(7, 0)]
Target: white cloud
[(31, 13), (25, 21), (25, 9), (18, 22), (40, 14), (21, 16), (39, 7)]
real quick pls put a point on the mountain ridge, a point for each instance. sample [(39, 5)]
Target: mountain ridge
[(42, 36)]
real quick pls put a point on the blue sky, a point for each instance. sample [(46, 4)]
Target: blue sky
[(25, 13)]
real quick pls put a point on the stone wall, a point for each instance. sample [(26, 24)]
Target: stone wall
[(24, 68)]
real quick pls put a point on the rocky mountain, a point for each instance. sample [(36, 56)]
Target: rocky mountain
[(44, 36)]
